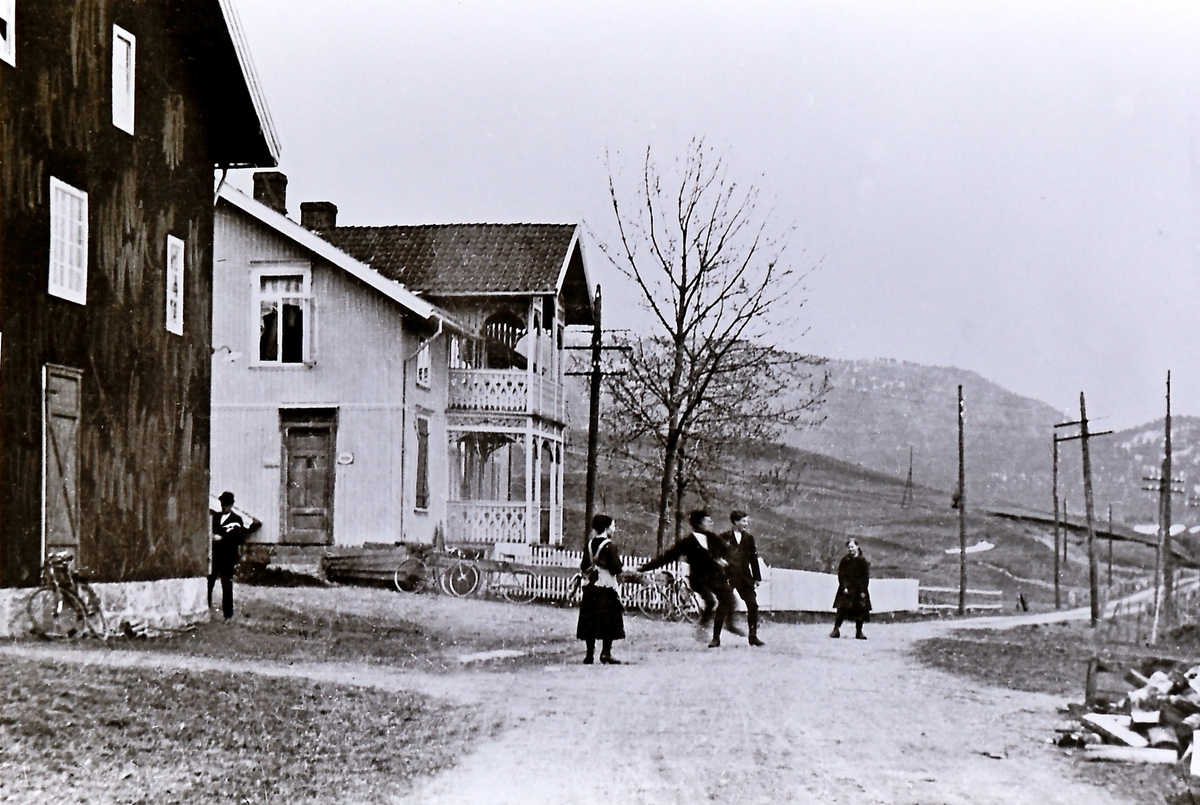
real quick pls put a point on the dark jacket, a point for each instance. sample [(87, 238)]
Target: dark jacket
[(607, 558), (702, 564), (743, 557), (228, 533), (854, 575)]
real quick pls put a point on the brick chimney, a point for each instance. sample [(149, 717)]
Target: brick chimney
[(270, 189), (318, 215)]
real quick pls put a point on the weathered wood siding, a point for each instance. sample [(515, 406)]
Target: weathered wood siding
[(364, 368), (144, 430)]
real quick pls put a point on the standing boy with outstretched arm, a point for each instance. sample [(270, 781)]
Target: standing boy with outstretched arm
[(705, 555)]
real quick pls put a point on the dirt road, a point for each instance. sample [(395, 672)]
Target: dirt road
[(806, 719)]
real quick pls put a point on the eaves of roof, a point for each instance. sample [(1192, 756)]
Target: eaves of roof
[(330, 253)]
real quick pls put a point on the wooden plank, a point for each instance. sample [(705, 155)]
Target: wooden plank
[(954, 590), (1146, 718), (1115, 727), (1162, 738), (1130, 754)]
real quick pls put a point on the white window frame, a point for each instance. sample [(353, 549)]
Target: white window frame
[(176, 277), (8, 45), (424, 366), (68, 271), (307, 305), (124, 73)]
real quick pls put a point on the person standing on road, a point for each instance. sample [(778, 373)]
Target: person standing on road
[(705, 554), (228, 531), (600, 612), (743, 571), (853, 600)]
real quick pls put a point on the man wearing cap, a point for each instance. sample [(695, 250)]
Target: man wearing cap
[(228, 532), (743, 570)]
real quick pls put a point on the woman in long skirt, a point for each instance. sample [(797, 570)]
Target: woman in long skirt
[(600, 612), (853, 600)]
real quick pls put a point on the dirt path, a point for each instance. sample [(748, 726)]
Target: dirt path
[(806, 719)]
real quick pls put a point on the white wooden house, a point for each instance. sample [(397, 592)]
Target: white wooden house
[(373, 384), (329, 383), (516, 287)]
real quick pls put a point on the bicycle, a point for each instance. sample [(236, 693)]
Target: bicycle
[(414, 576), (512, 581), (669, 597), (462, 577), (65, 605)]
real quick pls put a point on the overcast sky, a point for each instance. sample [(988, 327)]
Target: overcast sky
[(1006, 187)]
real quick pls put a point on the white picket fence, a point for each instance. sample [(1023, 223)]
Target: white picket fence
[(782, 589)]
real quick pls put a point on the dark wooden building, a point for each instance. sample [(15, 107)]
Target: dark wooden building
[(113, 116)]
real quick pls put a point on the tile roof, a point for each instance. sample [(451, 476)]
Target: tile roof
[(463, 259)]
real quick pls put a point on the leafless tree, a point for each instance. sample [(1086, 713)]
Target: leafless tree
[(713, 276)]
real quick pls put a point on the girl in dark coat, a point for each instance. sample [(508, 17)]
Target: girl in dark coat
[(600, 611), (853, 601)]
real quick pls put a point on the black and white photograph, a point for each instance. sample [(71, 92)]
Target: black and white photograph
[(534, 402)]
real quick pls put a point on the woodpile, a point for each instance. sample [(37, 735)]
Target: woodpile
[(1147, 715), (370, 563)]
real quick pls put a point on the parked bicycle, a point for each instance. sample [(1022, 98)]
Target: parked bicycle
[(669, 597), (65, 605), (503, 577)]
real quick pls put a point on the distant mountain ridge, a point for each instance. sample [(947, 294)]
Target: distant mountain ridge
[(878, 409)]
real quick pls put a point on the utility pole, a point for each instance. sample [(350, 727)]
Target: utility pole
[(1164, 572), (1084, 436), (1057, 571), (596, 375), (593, 417), (1164, 526), (1091, 513), (1110, 545), (908, 483), (962, 513)]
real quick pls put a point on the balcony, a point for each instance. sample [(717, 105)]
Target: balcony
[(506, 391), (485, 521)]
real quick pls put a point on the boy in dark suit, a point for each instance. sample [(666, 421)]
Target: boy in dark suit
[(743, 570), (228, 532), (705, 554)]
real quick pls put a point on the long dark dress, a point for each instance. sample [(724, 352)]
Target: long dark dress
[(601, 616), (853, 600)]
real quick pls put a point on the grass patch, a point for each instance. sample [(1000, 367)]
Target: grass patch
[(1053, 659), (86, 733)]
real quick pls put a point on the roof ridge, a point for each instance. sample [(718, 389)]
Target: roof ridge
[(437, 226)]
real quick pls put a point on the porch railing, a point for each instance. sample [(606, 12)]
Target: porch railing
[(485, 521), (505, 391)]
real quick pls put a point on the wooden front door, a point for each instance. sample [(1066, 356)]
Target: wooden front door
[(60, 459), (308, 466)]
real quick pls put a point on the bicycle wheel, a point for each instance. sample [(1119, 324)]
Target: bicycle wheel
[(460, 579), (52, 614), (411, 576), (652, 602), (94, 618), (575, 590), (518, 587), (683, 604)]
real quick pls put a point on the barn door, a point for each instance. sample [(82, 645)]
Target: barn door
[(60, 459), (308, 465)]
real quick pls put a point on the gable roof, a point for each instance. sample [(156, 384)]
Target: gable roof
[(217, 57), (476, 259), (308, 240)]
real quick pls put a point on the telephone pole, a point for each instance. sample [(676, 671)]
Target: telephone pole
[(593, 417), (596, 375), (962, 513), (1057, 570), (1084, 436), (908, 483)]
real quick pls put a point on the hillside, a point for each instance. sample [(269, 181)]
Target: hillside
[(847, 476), (877, 410)]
